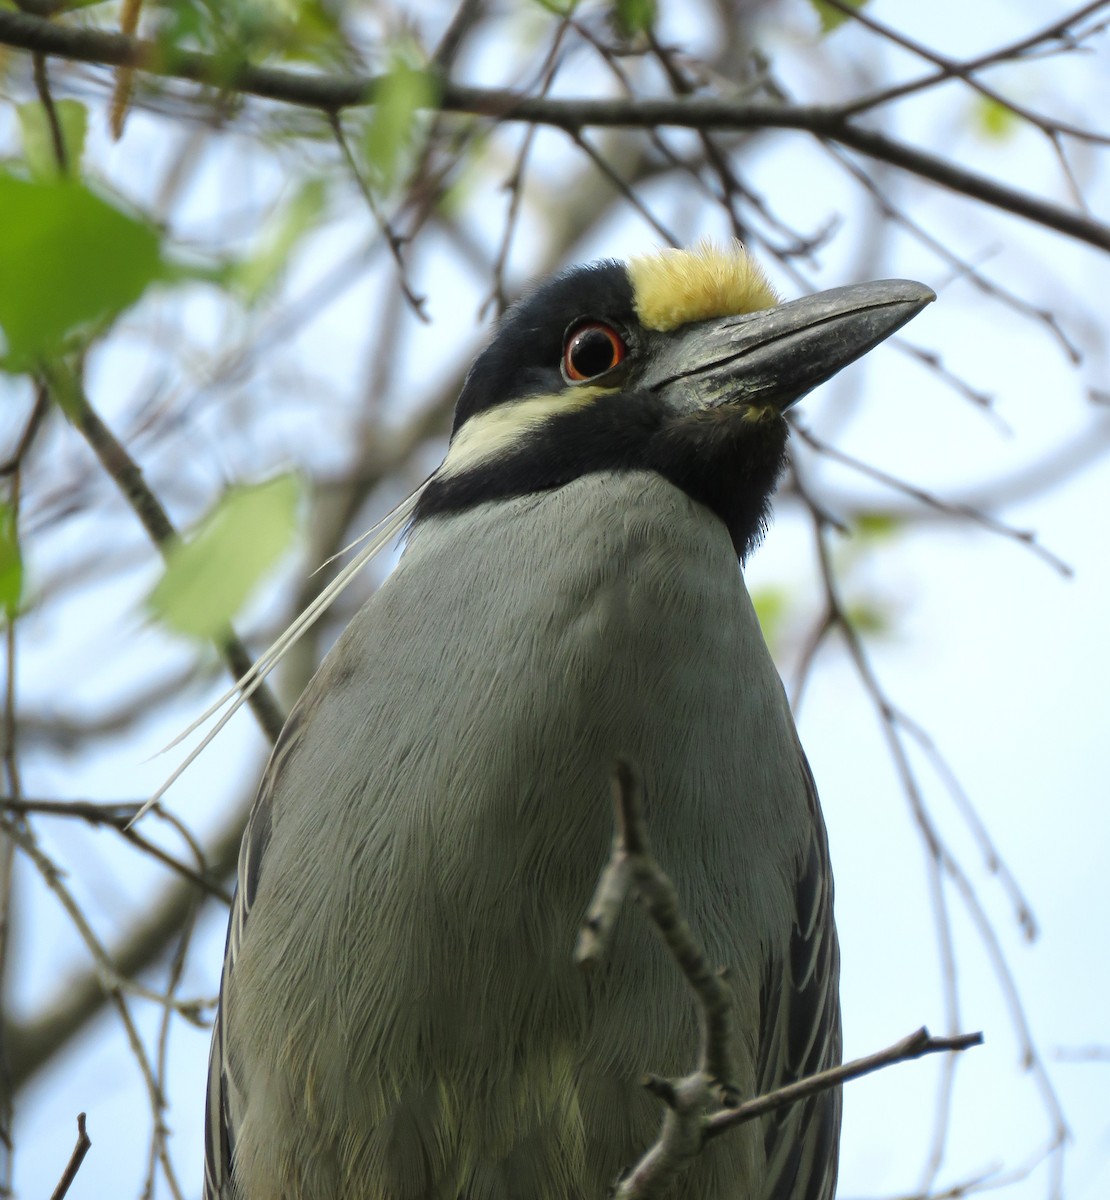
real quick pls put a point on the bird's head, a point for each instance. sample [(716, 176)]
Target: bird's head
[(681, 362)]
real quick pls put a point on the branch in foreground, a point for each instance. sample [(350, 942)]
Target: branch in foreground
[(703, 1104), (119, 817), (128, 477), (631, 863), (332, 93), (918, 1044), (75, 1160), (36, 1043)]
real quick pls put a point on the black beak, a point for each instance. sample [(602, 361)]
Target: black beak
[(773, 357)]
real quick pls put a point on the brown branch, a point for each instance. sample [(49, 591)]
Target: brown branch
[(916, 1045), (940, 855), (514, 185), (625, 190), (30, 431), (57, 137), (114, 981), (962, 267), (702, 1105), (128, 477), (1024, 537), (114, 985), (330, 93), (35, 1043), (1056, 31), (125, 77), (118, 817), (466, 17), (395, 243), (689, 1099), (75, 1160), (952, 69), (632, 863)]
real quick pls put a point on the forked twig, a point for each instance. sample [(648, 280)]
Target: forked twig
[(704, 1104)]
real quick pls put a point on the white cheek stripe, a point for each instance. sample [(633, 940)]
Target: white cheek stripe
[(487, 435)]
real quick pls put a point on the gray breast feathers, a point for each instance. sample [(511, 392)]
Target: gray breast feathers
[(400, 1014)]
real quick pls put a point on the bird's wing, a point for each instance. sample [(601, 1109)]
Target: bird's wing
[(799, 1030), (222, 1105)]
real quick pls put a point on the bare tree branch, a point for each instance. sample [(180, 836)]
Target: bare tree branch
[(129, 478), (84, 1142), (704, 1104), (705, 113)]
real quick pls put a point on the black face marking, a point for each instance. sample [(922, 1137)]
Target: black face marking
[(727, 463), (720, 456), (524, 356)]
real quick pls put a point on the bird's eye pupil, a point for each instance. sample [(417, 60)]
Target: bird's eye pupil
[(592, 350)]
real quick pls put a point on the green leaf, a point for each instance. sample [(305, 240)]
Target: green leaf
[(634, 17), (209, 578), (993, 120), (401, 95), (772, 605), (254, 276), (67, 259), (11, 562), (831, 17), (869, 617), (235, 32), (38, 137), (876, 526)]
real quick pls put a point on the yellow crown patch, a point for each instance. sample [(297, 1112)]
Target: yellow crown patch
[(674, 287)]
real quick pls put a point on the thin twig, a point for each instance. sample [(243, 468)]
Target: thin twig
[(128, 477), (934, 843), (514, 185), (125, 76), (332, 93), (1024, 537), (84, 1142), (1055, 31), (392, 239), (57, 135), (952, 69), (112, 978), (62, 1017), (703, 1104), (632, 863), (623, 189), (118, 816), (916, 1045)]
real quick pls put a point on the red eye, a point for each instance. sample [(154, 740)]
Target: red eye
[(591, 350)]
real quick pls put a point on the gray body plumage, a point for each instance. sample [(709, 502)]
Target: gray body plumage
[(401, 1017)]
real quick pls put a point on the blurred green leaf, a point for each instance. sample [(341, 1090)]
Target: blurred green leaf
[(876, 526), (312, 30), (11, 562), (67, 259), (634, 17), (831, 17), (993, 120), (38, 137), (255, 275), (403, 92), (235, 32), (209, 578), (184, 25), (869, 618), (772, 604)]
